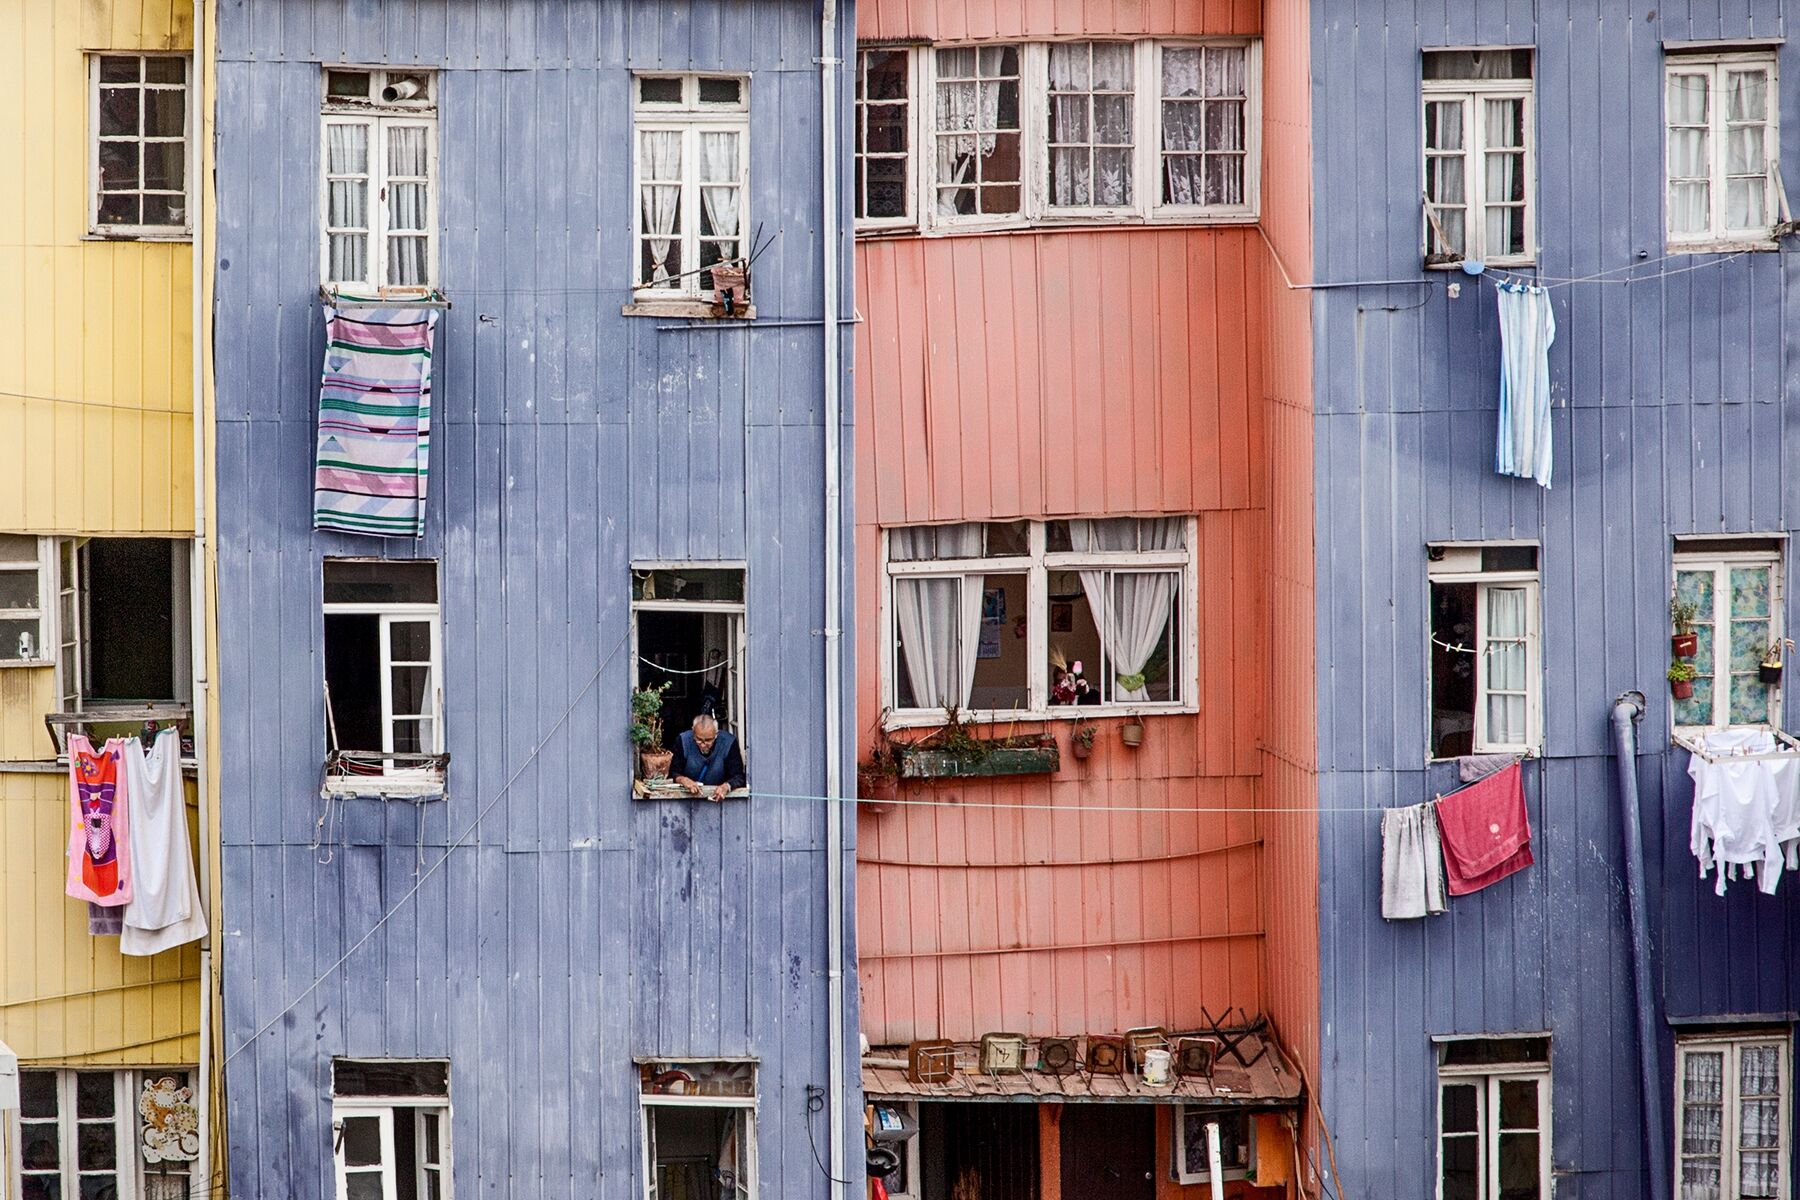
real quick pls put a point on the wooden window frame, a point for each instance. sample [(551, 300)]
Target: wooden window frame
[(1035, 210), (1474, 95), (1036, 564), (45, 614), (1534, 648), (387, 1110), (141, 233), (1717, 236), (1486, 1121), (1179, 1145), (390, 615), (377, 117), (690, 117), (129, 1166), (74, 676), (745, 1109), (1694, 557), (1732, 1045), (911, 123), (737, 610)]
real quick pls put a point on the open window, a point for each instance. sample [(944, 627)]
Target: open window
[(1486, 695), (390, 1129), (688, 623), (383, 675), (699, 1133), (1478, 165)]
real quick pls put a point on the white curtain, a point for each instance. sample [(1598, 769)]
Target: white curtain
[(347, 153), (719, 175), (929, 543), (1690, 192), (1506, 613), (1746, 164), (1444, 171), (1505, 223), (408, 204), (939, 618), (1759, 1121), (1132, 618), (659, 158)]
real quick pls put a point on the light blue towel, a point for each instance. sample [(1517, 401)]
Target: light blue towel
[(1527, 327)]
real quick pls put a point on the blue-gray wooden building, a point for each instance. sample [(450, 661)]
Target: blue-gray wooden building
[(519, 1016), (1674, 420)]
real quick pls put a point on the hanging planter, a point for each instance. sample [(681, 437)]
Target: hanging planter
[(1683, 642), (1132, 731), (1681, 679), (1769, 669), (1081, 739)]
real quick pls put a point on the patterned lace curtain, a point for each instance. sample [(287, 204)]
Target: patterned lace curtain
[(1759, 1121), (347, 201)]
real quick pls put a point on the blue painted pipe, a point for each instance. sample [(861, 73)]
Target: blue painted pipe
[(1626, 711)]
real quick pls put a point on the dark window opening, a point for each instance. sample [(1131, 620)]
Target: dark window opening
[(1499, 1051), (1452, 669), (352, 660), (980, 1149), (382, 658), (131, 619), (350, 1077), (691, 652)]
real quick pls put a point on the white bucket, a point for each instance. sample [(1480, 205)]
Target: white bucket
[(1156, 1067)]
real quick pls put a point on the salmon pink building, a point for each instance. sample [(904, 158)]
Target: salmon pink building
[(1087, 869)]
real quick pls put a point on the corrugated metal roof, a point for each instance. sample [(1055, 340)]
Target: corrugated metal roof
[(1267, 1080)]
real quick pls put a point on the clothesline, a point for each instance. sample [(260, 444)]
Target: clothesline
[(706, 670)]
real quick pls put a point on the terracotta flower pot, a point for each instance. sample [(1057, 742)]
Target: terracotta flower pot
[(1681, 690), (1685, 645), (1080, 746), (656, 763)]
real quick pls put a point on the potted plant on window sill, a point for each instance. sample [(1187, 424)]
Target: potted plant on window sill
[(1681, 679), (1683, 642), (954, 751), (1769, 669), (647, 731), (878, 780)]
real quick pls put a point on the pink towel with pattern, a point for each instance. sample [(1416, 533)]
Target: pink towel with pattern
[(1485, 832), (99, 830)]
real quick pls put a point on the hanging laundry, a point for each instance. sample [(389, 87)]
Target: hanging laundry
[(99, 830), (105, 922), (1485, 831), (1746, 810), (374, 438), (1527, 327), (1471, 767), (1412, 871), (165, 904)]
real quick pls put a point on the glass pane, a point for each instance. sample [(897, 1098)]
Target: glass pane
[(688, 583), (411, 687), (39, 1148), (1700, 1180), (364, 1186), (99, 1187), (1461, 1158), (929, 621), (410, 641), (409, 737), (430, 1122), (346, 149), (1759, 1124), (1518, 1104), (1520, 1177), (659, 90), (165, 69), (120, 68), (1749, 592), (1000, 679), (1461, 1103), (165, 112), (406, 150), (165, 166), (347, 208), (119, 112), (118, 166), (720, 91), (18, 589), (1141, 636), (1746, 95), (96, 1146), (42, 1187), (362, 1141), (352, 582), (884, 74), (349, 257), (20, 638), (348, 84), (18, 548), (94, 1094)]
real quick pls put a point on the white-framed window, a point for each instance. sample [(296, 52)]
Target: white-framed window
[(884, 138), (1040, 619), (1494, 1119), (692, 180), (1486, 679), (138, 112), (378, 183), (1733, 1097), (124, 624), (1736, 588), (1723, 139), (1192, 1149), (1478, 162), (94, 1133), (1072, 132), (383, 659), (699, 1129), (27, 605), (390, 1129), (687, 629)]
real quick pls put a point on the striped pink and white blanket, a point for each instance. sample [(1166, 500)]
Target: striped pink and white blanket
[(374, 449)]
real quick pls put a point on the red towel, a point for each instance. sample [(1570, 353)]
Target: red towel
[(1485, 832)]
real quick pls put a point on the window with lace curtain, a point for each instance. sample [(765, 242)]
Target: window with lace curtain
[(1722, 146), (692, 156), (1733, 1104), (123, 1135), (378, 183), (1041, 618), (1478, 156)]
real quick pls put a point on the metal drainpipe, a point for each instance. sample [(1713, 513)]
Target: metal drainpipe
[(1626, 711), (834, 650)]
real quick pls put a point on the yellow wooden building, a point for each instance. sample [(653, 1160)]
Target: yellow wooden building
[(102, 157)]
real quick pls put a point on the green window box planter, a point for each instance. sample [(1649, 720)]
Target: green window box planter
[(931, 763)]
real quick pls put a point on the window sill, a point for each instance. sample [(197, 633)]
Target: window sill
[(1725, 246), (384, 787), (684, 306), (1500, 264), (145, 236), (667, 789), (1050, 224), (25, 662), (934, 717)]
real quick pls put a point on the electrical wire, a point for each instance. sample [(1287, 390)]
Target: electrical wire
[(815, 1104), (505, 790)]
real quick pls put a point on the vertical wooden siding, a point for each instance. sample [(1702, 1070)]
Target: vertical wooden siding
[(571, 928), (1674, 403), (96, 432), (1032, 375)]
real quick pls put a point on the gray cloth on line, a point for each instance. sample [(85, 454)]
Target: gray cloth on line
[(105, 921), (1412, 863), (1471, 767)]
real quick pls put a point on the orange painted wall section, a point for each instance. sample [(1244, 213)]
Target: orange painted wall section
[(999, 20)]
